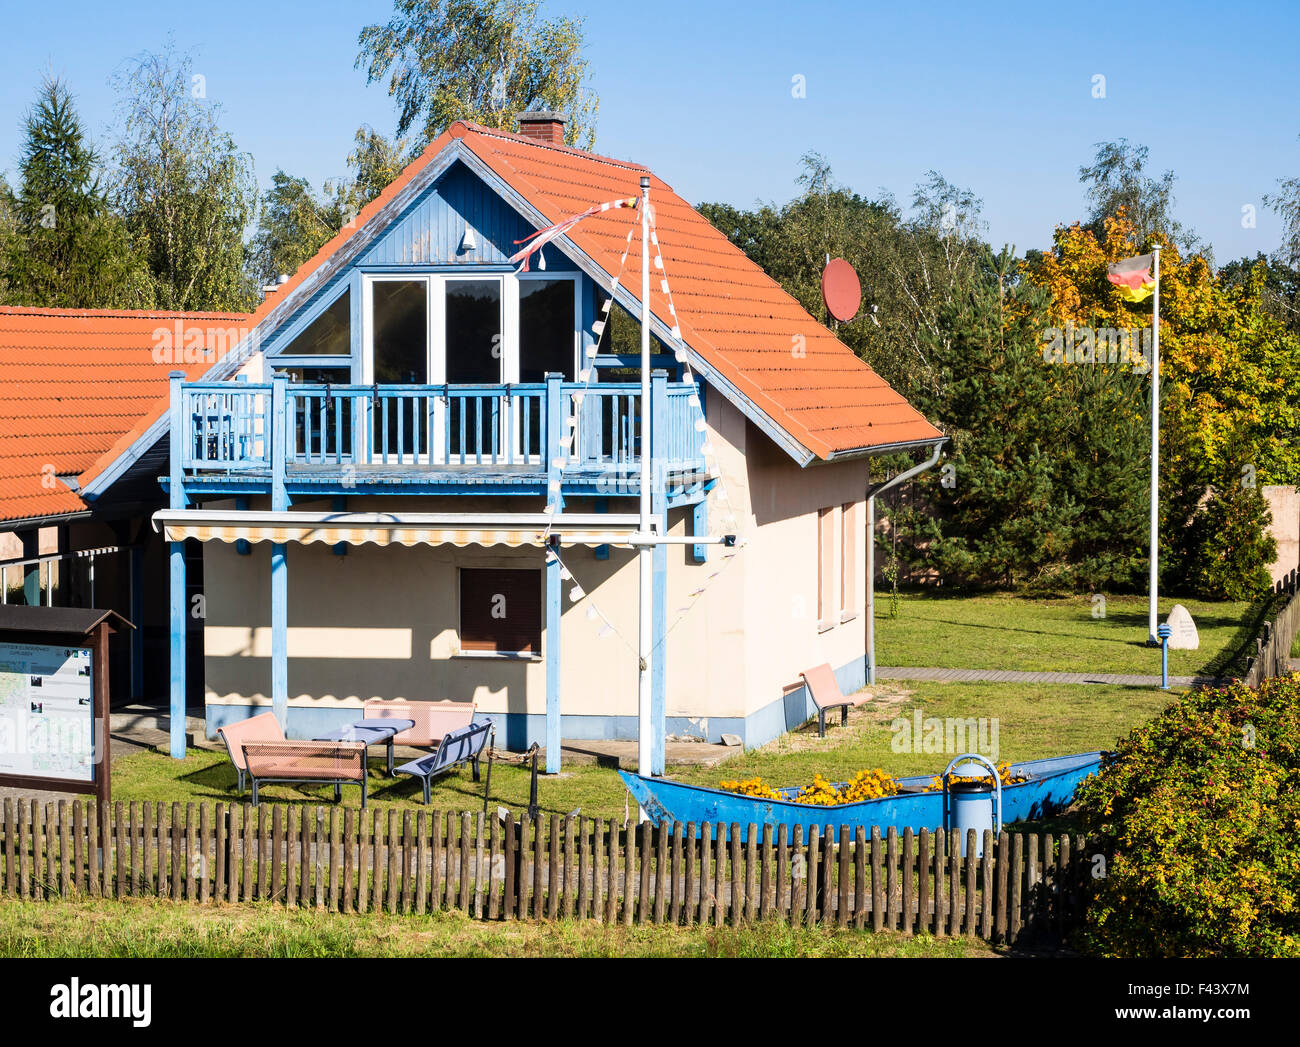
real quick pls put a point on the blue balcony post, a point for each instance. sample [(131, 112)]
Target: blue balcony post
[(700, 526), (554, 502), (659, 619), (178, 439), (279, 558)]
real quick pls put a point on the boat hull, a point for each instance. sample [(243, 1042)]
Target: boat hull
[(1050, 789)]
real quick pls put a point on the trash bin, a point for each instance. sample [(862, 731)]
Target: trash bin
[(974, 804)]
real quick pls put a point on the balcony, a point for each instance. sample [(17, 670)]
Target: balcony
[(243, 437)]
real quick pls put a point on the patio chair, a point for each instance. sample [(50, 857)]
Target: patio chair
[(826, 695), (463, 745), (261, 728), (433, 720), (313, 762)]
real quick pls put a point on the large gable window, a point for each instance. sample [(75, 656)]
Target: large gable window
[(330, 334), (546, 329)]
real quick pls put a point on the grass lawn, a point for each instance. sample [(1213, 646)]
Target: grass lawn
[(1002, 631), (1033, 721), (145, 928)]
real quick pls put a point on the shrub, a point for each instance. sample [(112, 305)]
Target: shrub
[(1228, 545), (1199, 814)]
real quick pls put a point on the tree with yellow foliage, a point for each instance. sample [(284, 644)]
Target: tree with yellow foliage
[(1229, 408)]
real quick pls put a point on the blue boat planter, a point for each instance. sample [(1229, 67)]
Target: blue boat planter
[(1049, 788)]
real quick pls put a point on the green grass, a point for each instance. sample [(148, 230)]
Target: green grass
[(1002, 631), (146, 928), (1033, 721)]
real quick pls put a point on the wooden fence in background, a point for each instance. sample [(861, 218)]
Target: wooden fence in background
[(1272, 655), (344, 859)]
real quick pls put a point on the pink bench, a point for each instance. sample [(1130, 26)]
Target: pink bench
[(433, 720), (260, 752), (261, 728), (826, 695)]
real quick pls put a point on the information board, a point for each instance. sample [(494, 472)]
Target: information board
[(47, 712)]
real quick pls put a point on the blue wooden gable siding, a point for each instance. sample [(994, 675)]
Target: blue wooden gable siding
[(429, 233), (427, 236)]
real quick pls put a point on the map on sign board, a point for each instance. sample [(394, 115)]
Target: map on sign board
[(47, 712)]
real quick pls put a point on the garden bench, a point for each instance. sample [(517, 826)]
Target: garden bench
[(433, 720), (261, 728), (460, 746), (311, 762), (826, 695)]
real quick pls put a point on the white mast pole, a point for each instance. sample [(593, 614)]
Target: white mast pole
[(644, 553), (1155, 446)]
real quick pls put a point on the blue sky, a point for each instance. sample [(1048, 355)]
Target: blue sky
[(996, 97)]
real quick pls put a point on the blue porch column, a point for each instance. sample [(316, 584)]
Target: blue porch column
[(279, 556), (699, 527), (137, 619), (180, 433), (659, 618), (555, 503)]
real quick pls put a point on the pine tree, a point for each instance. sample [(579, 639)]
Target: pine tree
[(1005, 517), (66, 247)]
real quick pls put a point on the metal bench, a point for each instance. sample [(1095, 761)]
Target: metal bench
[(432, 720), (261, 728), (463, 745), (343, 763), (826, 695)]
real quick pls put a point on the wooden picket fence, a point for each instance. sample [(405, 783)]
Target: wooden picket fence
[(348, 860), (1272, 655)]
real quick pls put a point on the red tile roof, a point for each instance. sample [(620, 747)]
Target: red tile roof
[(732, 313), (73, 384)]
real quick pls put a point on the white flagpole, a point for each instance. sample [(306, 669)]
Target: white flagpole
[(645, 731), (1155, 446)]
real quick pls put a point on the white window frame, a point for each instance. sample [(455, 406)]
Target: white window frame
[(576, 280), (281, 358), (573, 278), (363, 368)]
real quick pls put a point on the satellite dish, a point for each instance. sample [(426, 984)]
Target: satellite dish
[(841, 290)]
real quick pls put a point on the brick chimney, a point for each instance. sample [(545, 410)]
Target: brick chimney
[(543, 125)]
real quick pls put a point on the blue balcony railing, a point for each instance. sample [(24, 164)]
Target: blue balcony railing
[(233, 427)]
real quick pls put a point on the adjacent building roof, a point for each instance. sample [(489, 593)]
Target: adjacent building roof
[(74, 383)]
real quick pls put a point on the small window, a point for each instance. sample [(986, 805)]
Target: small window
[(827, 613), (849, 560), (500, 611), (330, 334)]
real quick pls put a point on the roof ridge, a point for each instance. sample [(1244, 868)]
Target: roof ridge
[(585, 154)]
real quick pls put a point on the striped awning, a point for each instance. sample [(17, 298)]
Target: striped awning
[(458, 529)]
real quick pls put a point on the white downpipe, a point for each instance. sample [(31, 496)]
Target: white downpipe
[(1152, 614), (645, 729), (871, 551)]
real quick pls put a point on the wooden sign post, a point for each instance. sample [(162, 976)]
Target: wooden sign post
[(54, 700)]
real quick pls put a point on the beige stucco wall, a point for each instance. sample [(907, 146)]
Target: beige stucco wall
[(382, 622), (1284, 504), (782, 633)]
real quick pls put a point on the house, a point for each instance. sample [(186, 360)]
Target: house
[(414, 471)]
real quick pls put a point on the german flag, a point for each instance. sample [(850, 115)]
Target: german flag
[(1133, 278)]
